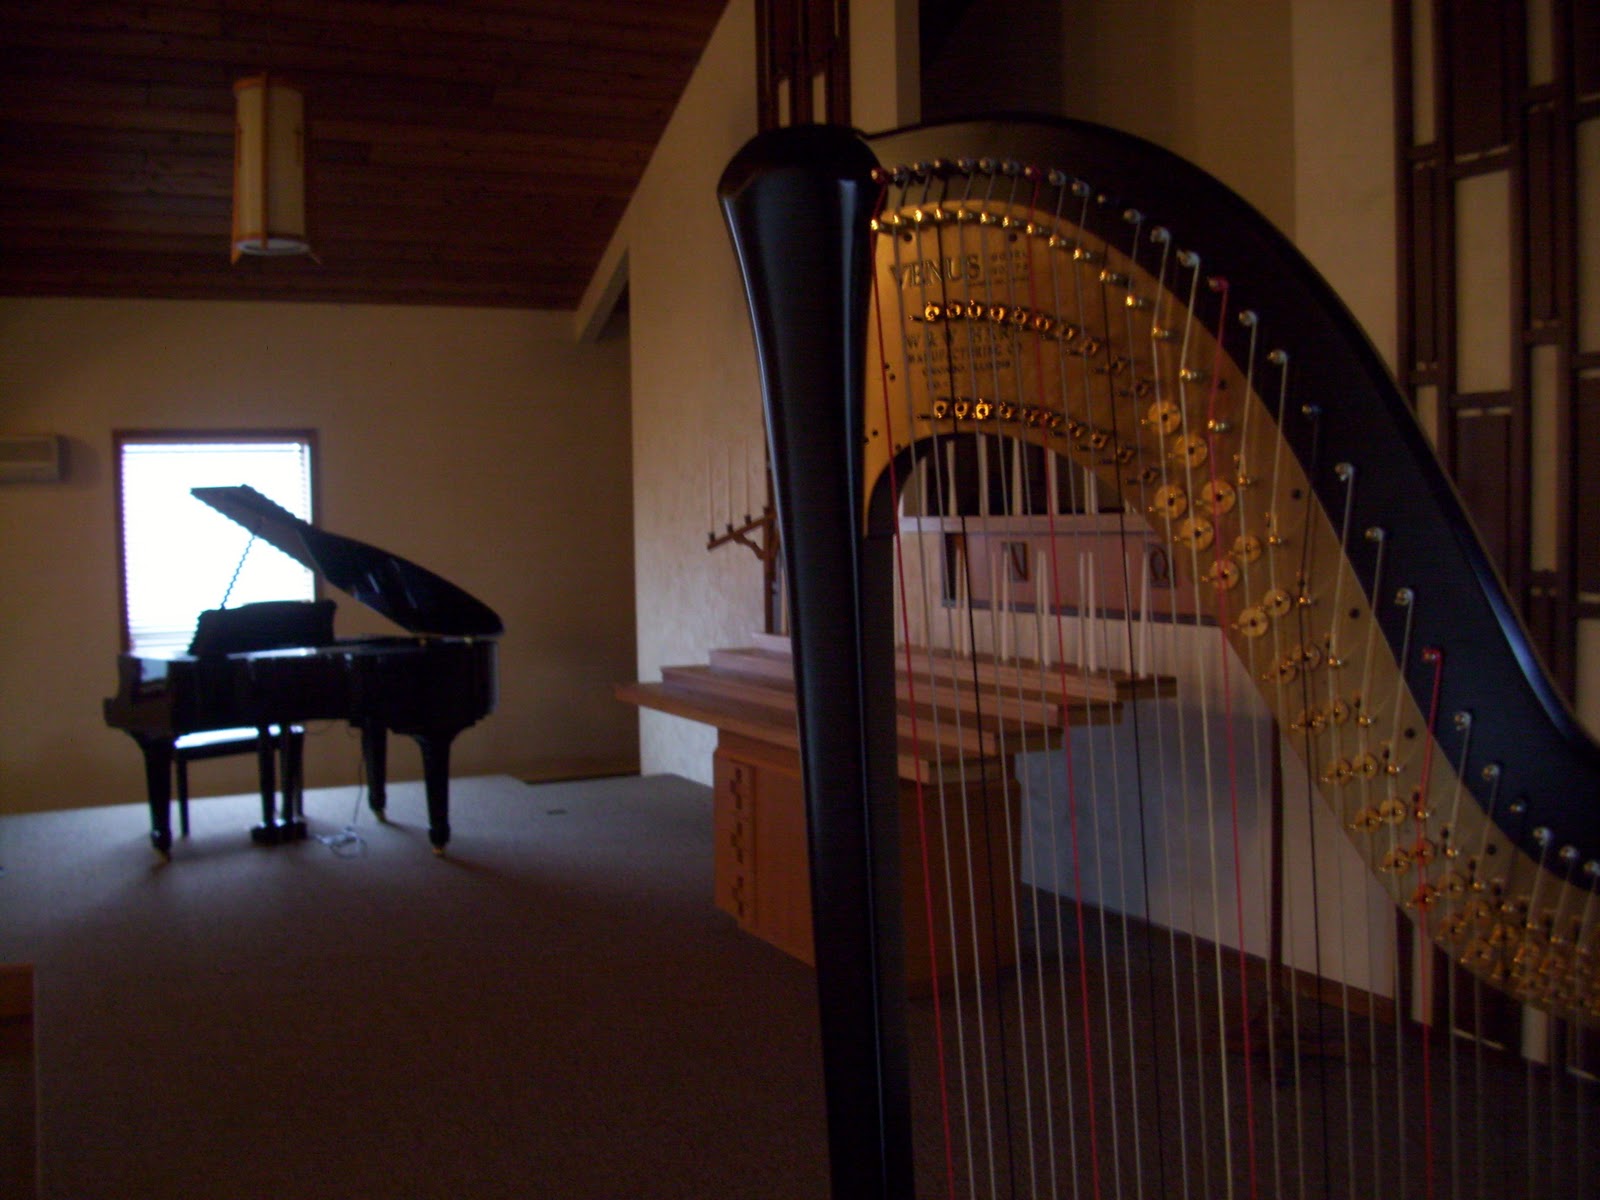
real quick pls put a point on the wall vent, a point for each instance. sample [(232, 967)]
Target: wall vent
[(32, 458)]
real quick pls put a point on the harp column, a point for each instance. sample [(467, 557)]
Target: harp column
[(841, 616)]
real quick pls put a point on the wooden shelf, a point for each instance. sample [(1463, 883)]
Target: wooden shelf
[(950, 709)]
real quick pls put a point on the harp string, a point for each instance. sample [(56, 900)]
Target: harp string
[(985, 526), (1165, 794), (1173, 753), (1297, 599), (1002, 291), (1230, 748), (1186, 535), (1260, 622), (983, 995), (918, 780), (1096, 626), (1090, 658), (1355, 711), (1055, 618), (1463, 722), (1346, 475), (1074, 823), (1163, 1084), (1042, 604), (960, 640), (1265, 1144), (1145, 817), (1432, 657), (1246, 550), (999, 557), (1020, 493)]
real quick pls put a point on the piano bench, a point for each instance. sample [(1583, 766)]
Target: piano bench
[(284, 741)]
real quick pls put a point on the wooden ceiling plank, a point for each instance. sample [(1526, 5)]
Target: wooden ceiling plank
[(682, 25), (515, 162), (402, 49), (205, 20), (46, 112), (440, 133), (20, 62), (142, 283), (459, 187), (573, 146), (230, 59), (212, 82), (27, 138), (286, 44), (142, 175), (676, 28)]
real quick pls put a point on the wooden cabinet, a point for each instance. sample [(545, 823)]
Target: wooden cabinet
[(962, 822), (762, 861), (761, 865)]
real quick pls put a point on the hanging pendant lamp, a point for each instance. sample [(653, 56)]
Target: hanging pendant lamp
[(269, 194)]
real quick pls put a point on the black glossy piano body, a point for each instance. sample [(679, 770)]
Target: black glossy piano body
[(260, 666)]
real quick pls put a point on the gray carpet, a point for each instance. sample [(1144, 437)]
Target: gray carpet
[(554, 1009)]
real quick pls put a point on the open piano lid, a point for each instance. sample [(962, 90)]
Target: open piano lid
[(411, 596)]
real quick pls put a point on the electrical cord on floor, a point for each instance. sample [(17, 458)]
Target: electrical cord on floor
[(347, 843)]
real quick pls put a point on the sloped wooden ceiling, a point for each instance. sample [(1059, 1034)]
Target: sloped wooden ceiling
[(460, 151)]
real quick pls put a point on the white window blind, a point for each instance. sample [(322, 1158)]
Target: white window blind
[(179, 555)]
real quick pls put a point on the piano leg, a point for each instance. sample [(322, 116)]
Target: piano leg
[(158, 787), (268, 781), (291, 762), (436, 776), (279, 822), (375, 755)]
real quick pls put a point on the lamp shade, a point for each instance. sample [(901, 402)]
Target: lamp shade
[(269, 190)]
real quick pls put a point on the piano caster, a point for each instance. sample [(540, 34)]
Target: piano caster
[(161, 840), (277, 832)]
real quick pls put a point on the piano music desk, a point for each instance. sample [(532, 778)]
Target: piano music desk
[(760, 855)]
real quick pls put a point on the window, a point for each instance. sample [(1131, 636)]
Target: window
[(179, 555)]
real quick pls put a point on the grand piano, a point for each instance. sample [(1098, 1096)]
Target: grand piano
[(277, 664)]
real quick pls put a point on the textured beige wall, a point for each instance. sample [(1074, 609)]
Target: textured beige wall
[(1208, 79), (1288, 102), (1344, 186), (695, 392), (696, 395), (484, 445)]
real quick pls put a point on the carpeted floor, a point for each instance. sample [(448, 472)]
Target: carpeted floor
[(554, 1009)]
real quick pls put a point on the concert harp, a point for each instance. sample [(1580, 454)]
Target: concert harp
[(977, 341)]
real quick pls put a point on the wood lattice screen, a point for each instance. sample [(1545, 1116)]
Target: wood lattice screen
[(1498, 135), (802, 76), (803, 62)]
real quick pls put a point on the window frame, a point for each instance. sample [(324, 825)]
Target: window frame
[(122, 437)]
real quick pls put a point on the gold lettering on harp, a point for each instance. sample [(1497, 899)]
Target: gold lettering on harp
[(926, 271)]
